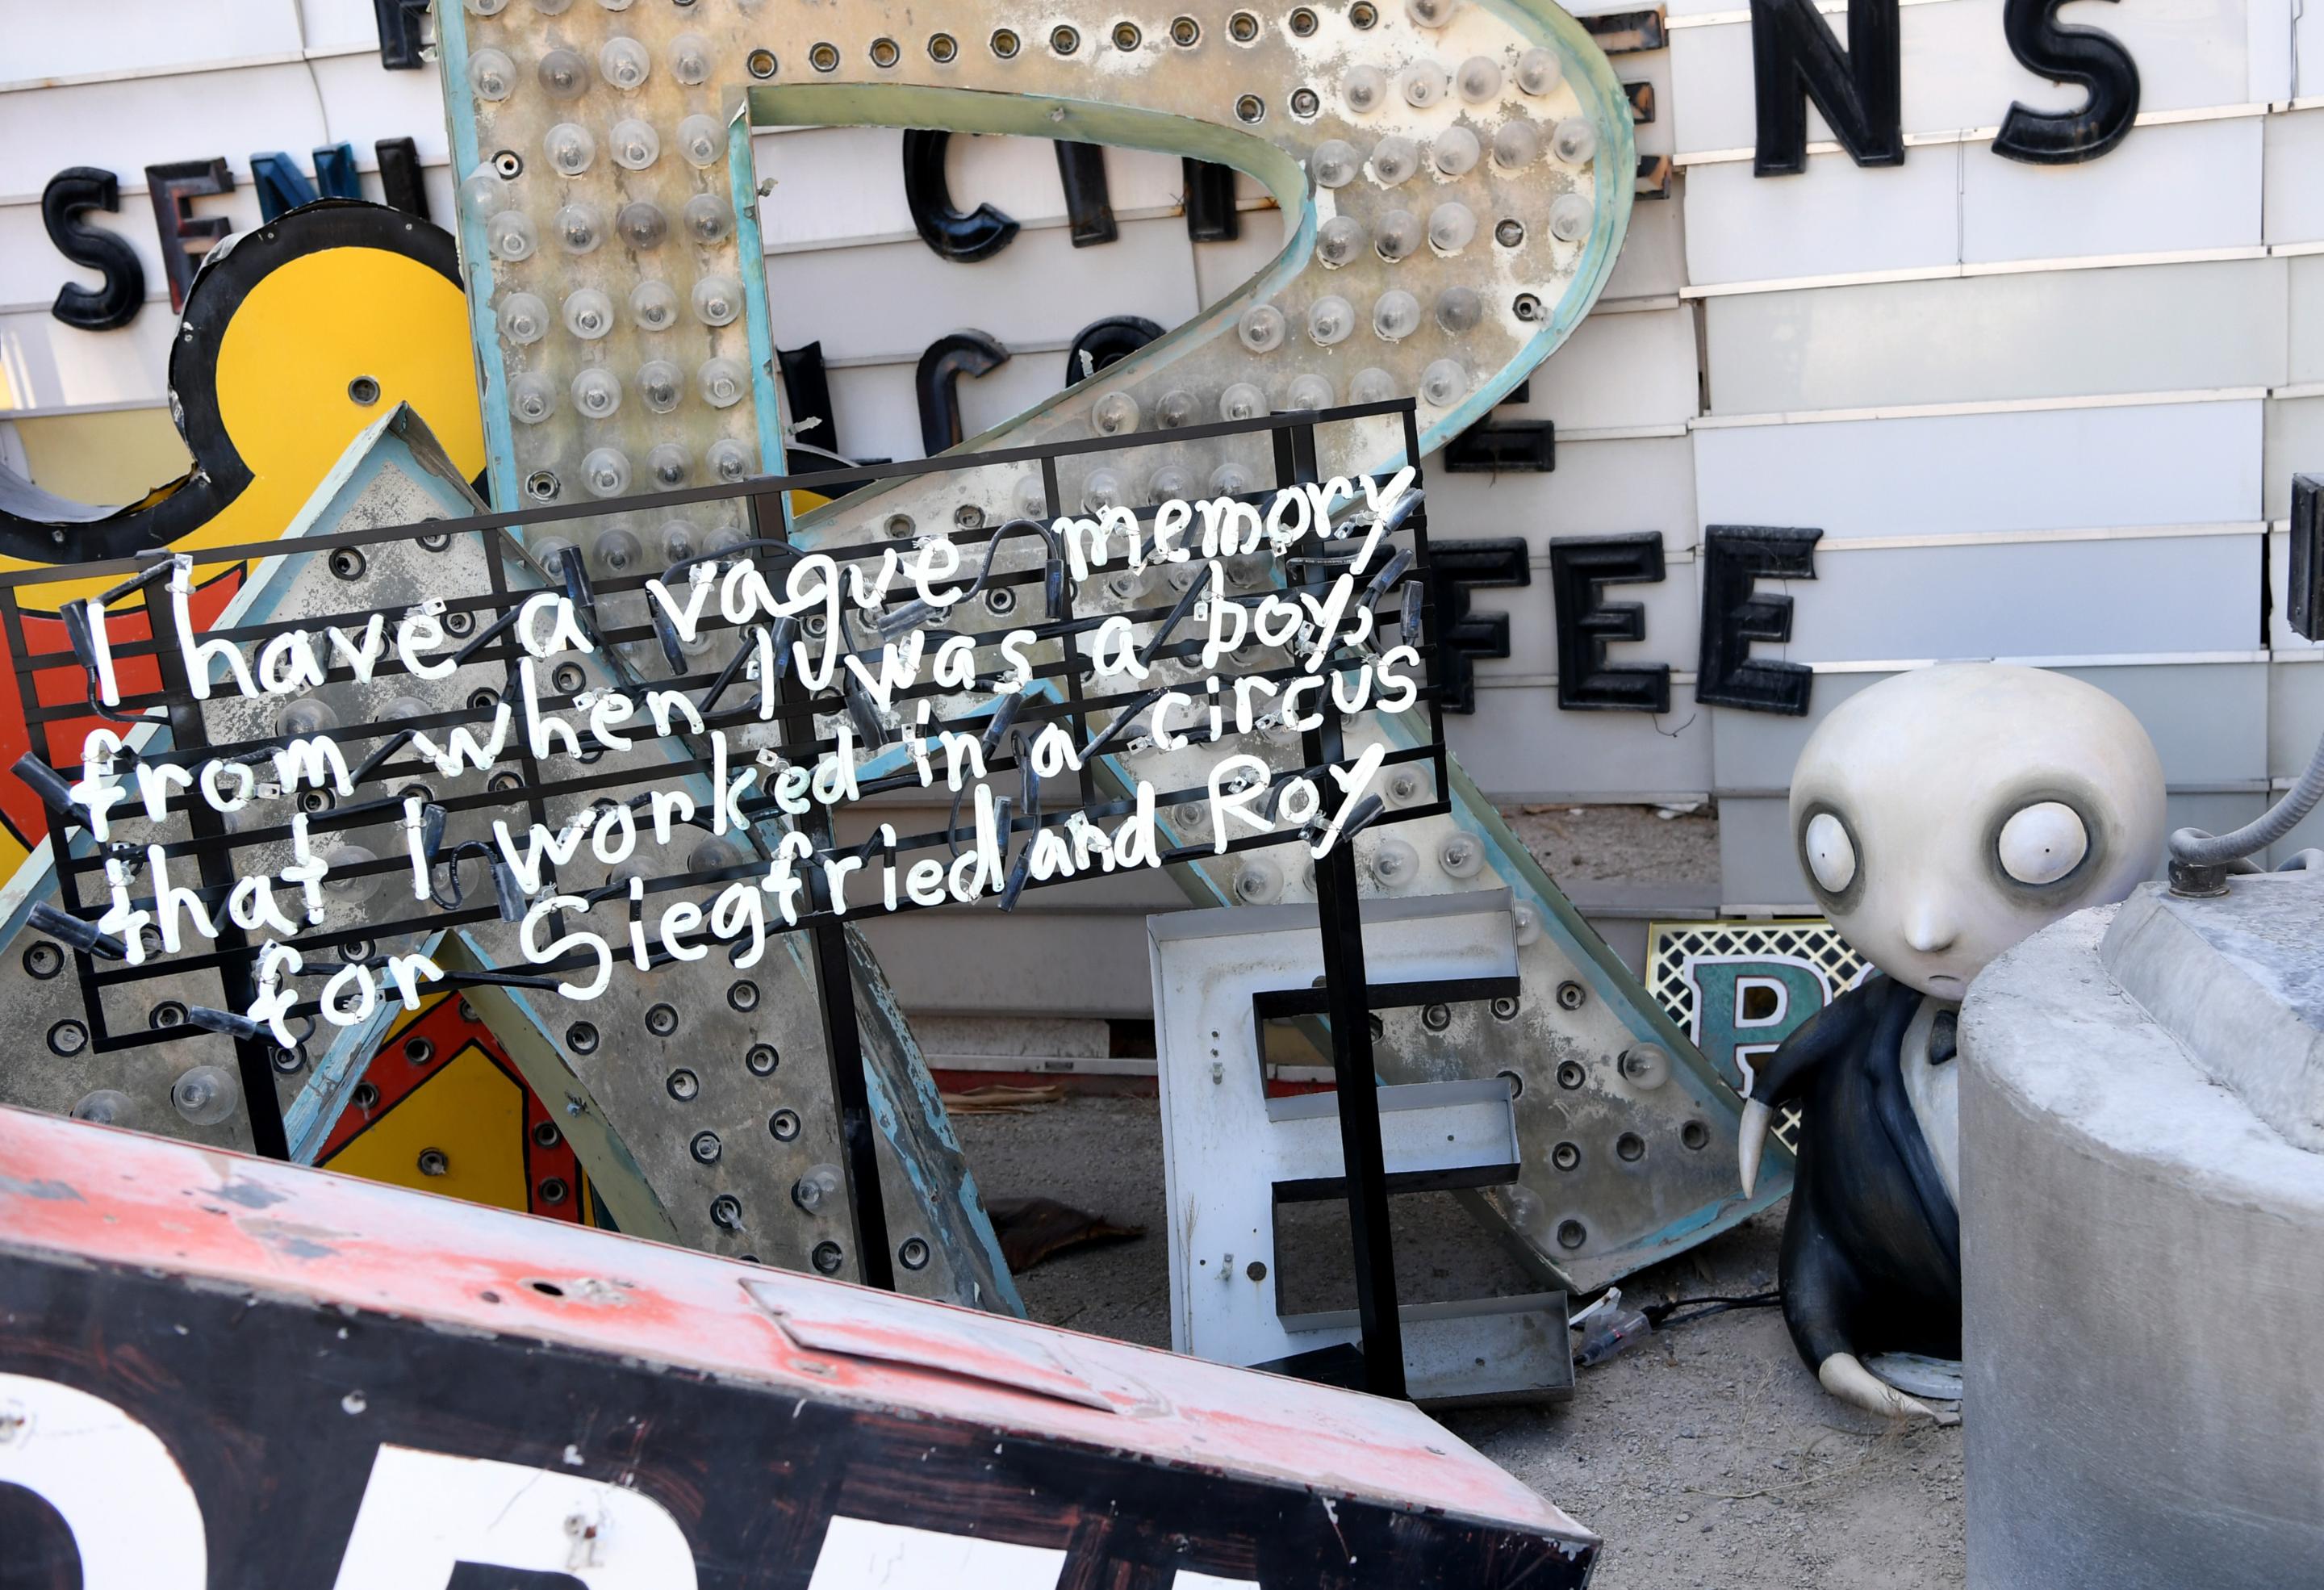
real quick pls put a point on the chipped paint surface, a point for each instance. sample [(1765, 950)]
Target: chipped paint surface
[(466, 1268)]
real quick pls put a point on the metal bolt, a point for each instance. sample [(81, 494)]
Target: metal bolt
[(1566, 1156), (1570, 996), (706, 1147), (827, 1258), (1505, 1009), (817, 1188), (726, 1212), (913, 1253), (1646, 1066), (761, 1059), (661, 1021), (434, 1162), (1436, 1018), (683, 1084)]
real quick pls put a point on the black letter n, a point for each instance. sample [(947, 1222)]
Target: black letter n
[(1795, 59)]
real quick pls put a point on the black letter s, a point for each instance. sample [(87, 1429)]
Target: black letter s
[(2087, 56), (69, 192)]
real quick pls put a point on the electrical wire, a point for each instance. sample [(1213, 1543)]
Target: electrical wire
[(1663, 1316)]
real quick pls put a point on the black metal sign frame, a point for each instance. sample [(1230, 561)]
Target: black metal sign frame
[(1067, 699)]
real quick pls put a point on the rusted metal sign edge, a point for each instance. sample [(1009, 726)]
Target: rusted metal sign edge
[(90, 1196)]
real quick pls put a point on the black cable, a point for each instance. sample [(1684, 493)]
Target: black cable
[(1661, 1314)]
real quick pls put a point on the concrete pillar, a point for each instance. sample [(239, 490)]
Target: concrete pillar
[(2143, 1268)]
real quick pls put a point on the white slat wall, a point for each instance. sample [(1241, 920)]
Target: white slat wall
[(2038, 413)]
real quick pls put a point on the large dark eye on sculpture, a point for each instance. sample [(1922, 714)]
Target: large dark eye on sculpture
[(2043, 843), (1829, 853)]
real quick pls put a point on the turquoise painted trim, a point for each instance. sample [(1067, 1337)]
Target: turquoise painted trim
[(476, 256), (742, 183)]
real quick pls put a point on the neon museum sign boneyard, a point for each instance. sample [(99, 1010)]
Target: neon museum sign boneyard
[(1326, 653)]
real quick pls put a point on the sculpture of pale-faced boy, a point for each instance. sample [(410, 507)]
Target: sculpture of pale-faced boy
[(1940, 816)]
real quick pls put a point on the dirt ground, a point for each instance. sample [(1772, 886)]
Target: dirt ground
[(1706, 1456), (1582, 846)]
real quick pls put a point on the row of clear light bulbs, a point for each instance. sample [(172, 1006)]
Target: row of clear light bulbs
[(716, 300), (580, 229)]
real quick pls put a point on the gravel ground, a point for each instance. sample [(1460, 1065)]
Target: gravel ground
[(1583, 845), (1706, 1456)]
